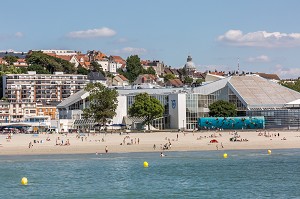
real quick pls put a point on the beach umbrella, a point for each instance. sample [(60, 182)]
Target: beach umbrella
[(214, 141)]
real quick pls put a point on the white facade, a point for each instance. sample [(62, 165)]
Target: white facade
[(112, 67), (104, 64), (121, 110), (59, 52), (177, 110)]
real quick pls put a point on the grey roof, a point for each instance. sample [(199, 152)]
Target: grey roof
[(211, 87), (260, 92), (151, 91), (73, 98), (82, 94), (96, 76)]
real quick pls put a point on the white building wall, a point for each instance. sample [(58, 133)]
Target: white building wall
[(121, 110), (112, 67), (177, 110), (104, 64)]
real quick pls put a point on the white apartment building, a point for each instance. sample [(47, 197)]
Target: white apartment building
[(34, 87), (59, 52)]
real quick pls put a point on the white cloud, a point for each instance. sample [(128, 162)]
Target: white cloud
[(261, 58), (286, 73), (260, 39), (131, 51), (92, 33), (9, 36), (18, 34)]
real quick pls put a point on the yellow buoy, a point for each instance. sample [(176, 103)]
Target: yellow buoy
[(146, 164), (24, 181), (269, 152), (225, 155)]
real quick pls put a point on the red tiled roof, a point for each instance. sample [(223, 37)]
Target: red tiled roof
[(217, 73), (168, 71), (64, 57), (268, 76), (175, 83), (123, 78)]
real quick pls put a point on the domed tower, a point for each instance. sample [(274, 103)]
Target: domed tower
[(189, 66)]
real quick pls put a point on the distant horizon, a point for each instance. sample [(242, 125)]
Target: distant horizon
[(260, 36)]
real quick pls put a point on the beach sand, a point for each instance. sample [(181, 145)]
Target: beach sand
[(187, 141)]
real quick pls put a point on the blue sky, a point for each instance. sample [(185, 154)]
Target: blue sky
[(263, 34)]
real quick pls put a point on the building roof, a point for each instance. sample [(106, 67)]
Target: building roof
[(82, 94), (254, 91), (122, 77), (268, 76), (96, 76), (260, 92), (175, 83)]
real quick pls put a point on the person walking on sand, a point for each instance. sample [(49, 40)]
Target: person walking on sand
[(106, 149)]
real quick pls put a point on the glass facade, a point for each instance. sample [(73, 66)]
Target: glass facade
[(159, 123), (282, 118), (197, 105)]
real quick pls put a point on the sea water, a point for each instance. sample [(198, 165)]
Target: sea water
[(205, 174)]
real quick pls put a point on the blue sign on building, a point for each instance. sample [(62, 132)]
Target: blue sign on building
[(173, 104)]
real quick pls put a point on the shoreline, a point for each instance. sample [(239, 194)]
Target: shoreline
[(144, 142)]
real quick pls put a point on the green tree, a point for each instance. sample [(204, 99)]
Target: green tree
[(133, 68), (50, 63), (38, 68), (103, 103), (199, 81), (146, 106), (292, 85), (9, 70), (168, 77), (188, 80), (222, 108), (10, 59), (150, 70), (81, 70), (97, 67)]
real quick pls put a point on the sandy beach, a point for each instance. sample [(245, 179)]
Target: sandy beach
[(18, 144)]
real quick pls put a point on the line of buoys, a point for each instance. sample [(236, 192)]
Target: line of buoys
[(225, 155), (24, 181), (269, 152)]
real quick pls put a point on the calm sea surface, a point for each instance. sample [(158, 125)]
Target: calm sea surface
[(244, 174)]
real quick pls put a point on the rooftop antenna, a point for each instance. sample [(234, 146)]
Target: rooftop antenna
[(238, 65)]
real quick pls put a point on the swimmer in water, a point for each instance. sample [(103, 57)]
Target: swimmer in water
[(161, 154)]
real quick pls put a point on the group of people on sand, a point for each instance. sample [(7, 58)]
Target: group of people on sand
[(131, 141), (62, 143)]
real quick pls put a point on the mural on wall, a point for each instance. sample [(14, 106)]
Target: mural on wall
[(231, 123)]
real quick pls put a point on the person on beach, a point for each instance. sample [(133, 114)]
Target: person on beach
[(162, 155), (106, 149), (154, 147), (30, 145)]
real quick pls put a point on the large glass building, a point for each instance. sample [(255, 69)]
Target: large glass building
[(253, 96)]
